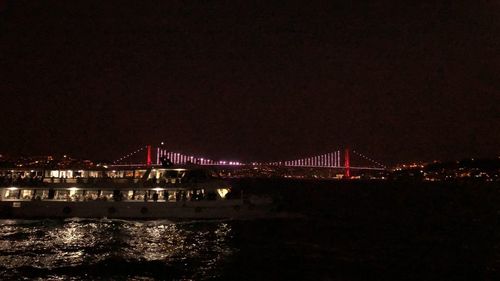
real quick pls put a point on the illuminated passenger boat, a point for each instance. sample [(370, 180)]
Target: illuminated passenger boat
[(139, 193)]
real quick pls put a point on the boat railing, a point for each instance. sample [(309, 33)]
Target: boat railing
[(92, 180), (27, 181)]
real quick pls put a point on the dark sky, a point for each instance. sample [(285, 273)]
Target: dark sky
[(252, 80)]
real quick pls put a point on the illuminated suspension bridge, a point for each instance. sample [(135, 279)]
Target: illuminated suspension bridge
[(339, 159)]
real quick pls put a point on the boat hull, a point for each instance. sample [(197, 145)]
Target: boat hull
[(134, 210)]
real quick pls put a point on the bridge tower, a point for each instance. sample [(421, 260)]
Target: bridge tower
[(347, 164), (148, 158)]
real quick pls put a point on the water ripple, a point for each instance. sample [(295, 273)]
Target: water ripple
[(76, 249)]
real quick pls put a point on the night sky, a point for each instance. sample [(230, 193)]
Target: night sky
[(253, 80)]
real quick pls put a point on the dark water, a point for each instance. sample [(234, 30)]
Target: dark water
[(111, 249), (347, 233), (83, 249)]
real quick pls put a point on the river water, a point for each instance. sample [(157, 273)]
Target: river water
[(76, 249), (83, 249), (352, 232)]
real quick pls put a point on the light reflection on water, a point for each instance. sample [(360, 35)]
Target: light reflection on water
[(73, 249)]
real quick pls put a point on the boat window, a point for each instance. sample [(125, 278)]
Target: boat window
[(179, 195), (153, 174), (160, 195), (172, 196), (115, 174), (106, 195), (94, 174), (61, 194), (128, 174), (197, 194), (11, 193), (91, 195), (66, 174), (159, 174), (139, 173), (26, 194), (187, 195), (130, 195), (139, 194), (41, 194), (75, 194)]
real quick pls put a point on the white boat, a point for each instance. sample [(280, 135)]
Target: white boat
[(130, 193)]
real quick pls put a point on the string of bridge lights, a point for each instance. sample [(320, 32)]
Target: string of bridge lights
[(331, 159), (178, 158), (130, 154), (369, 159)]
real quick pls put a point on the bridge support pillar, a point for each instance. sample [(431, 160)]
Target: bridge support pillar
[(148, 159), (347, 164)]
